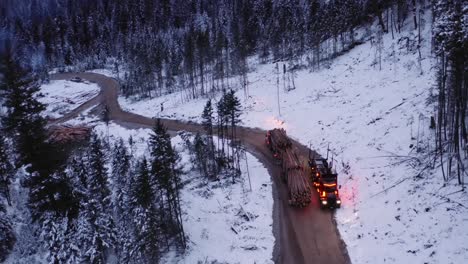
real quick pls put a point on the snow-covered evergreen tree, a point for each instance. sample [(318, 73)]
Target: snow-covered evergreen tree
[(147, 234), (96, 232), (24, 123), (7, 235), (207, 117), (21, 91), (166, 183), (96, 227), (6, 171), (201, 152), (121, 166), (59, 236), (233, 110), (120, 175), (97, 178)]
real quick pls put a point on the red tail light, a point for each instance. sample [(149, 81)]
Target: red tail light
[(323, 194)]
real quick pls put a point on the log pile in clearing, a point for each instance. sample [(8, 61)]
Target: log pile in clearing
[(66, 133), (293, 174)]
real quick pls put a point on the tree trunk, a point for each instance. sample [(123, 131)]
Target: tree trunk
[(415, 20)]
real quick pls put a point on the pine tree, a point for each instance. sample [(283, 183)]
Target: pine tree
[(7, 235), (121, 166), (222, 116), (6, 171), (233, 112), (142, 192), (120, 175), (233, 109), (58, 235), (20, 92), (147, 228), (97, 229), (166, 179), (228, 110), (162, 155), (23, 121), (58, 231), (77, 172), (97, 179), (70, 249), (201, 149), (207, 117)]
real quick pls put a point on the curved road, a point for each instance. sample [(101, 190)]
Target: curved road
[(307, 235)]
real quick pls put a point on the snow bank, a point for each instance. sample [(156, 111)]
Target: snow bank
[(110, 72), (62, 96)]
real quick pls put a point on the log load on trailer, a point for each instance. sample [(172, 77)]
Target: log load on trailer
[(292, 171)]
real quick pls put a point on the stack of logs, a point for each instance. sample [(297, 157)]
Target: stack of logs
[(292, 171), (279, 139), (67, 134)]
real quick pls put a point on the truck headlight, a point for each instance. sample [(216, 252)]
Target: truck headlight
[(338, 201), (324, 202)]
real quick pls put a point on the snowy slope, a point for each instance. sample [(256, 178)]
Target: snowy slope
[(62, 96), (375, 118), (216, 211)]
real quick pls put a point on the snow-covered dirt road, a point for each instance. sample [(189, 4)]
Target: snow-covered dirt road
[(306, 235)]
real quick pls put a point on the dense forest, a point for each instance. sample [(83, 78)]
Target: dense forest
[(168, 45), (450, 47), (162, 46)]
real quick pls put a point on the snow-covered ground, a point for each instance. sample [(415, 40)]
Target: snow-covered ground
[(227, 223), (62, 96), (375, 116), (215, 211)]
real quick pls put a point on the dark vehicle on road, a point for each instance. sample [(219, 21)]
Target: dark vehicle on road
[(325, 182)]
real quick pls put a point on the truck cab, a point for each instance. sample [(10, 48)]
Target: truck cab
[(325, 181)]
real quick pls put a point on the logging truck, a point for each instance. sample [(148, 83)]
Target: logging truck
[(292, 172), (325, 182)]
